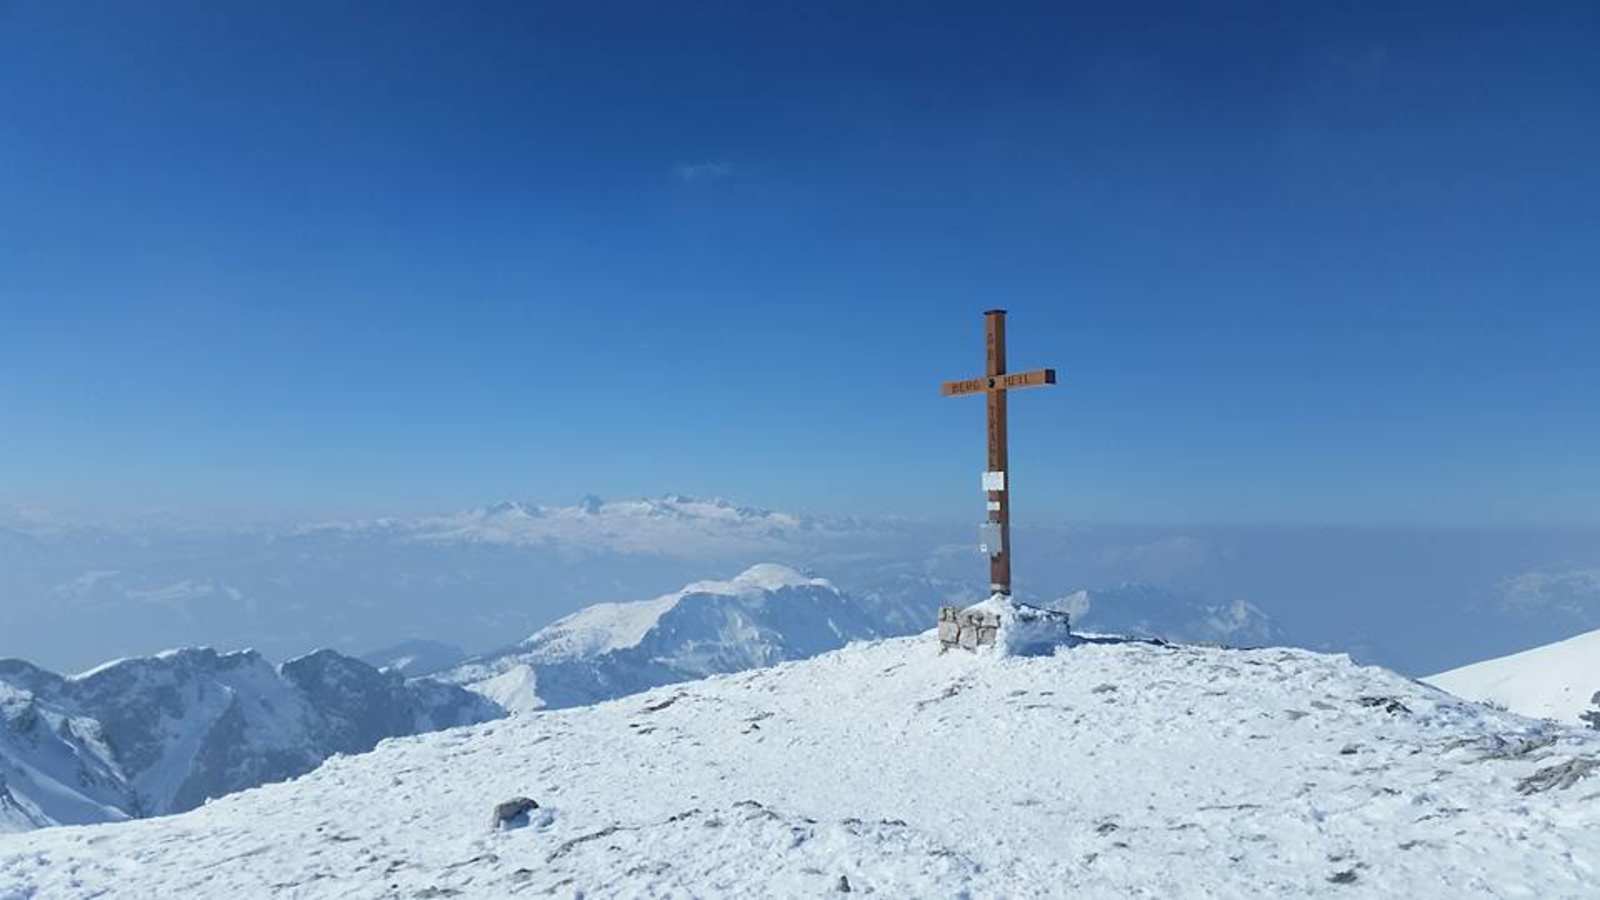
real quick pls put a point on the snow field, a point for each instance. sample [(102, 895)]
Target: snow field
[(1110, 769)]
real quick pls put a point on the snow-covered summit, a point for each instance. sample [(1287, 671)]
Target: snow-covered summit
[(1109, 769), (757, 578), (766, 614), (1556, 681), (606, 627)]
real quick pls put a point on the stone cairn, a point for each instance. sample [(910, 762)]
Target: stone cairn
[(1035, 629), (968, 629)]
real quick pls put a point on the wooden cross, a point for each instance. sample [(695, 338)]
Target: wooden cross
[(997, 480)]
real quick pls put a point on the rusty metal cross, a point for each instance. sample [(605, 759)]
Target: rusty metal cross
[(995, 383)]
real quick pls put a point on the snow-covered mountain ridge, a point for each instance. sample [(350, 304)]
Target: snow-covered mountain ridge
[(1108, 770), (766, 614), (1558, 681), (673, 524), (162, 734)]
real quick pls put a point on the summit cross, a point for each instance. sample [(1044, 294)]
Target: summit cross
[(995, 384)]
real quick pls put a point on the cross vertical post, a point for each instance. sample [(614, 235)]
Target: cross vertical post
[(999, 501), (996, 383)]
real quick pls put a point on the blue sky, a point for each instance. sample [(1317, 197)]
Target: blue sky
[(1334, 265)]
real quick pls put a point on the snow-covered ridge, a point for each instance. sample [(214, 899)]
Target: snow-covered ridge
[(672, 525), (757, 578), (1557, 681), (766, 614), (153, 735), (1110, 769)]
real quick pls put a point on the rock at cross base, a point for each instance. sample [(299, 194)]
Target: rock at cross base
[(512, 814), (1009, 627)]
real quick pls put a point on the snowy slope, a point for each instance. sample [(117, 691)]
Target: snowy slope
[(56, 765), (1556, 681), (162, 734), (766, 614), (1108, 770)]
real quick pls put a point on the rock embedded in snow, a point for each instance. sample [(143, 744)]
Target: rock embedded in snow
[(512, 813), (1561, 775), (1196, 781)]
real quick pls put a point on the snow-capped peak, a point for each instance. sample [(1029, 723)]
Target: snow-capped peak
[(760, 577), (606, 627), (766, 614), (191, 657)]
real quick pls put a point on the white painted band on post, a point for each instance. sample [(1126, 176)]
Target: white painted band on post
[(994, 506), (994, 481)]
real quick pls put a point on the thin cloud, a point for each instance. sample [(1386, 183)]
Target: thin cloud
[(702, 171)]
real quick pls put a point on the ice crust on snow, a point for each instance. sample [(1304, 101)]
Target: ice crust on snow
[(1105, 770)]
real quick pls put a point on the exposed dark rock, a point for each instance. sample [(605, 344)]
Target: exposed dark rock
[(1390, 705), (512, 813), (1592, 717), (1562, 776)]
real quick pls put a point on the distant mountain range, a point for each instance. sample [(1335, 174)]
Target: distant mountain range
[(673, 525), (162, 734), (1144, 610), (154, 735), (468, 578), (473, 578)]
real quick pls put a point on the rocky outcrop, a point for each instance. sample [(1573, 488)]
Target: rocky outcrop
[(163, 734)]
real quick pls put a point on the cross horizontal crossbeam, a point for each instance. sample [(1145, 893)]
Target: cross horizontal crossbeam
[(1006, 382)]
